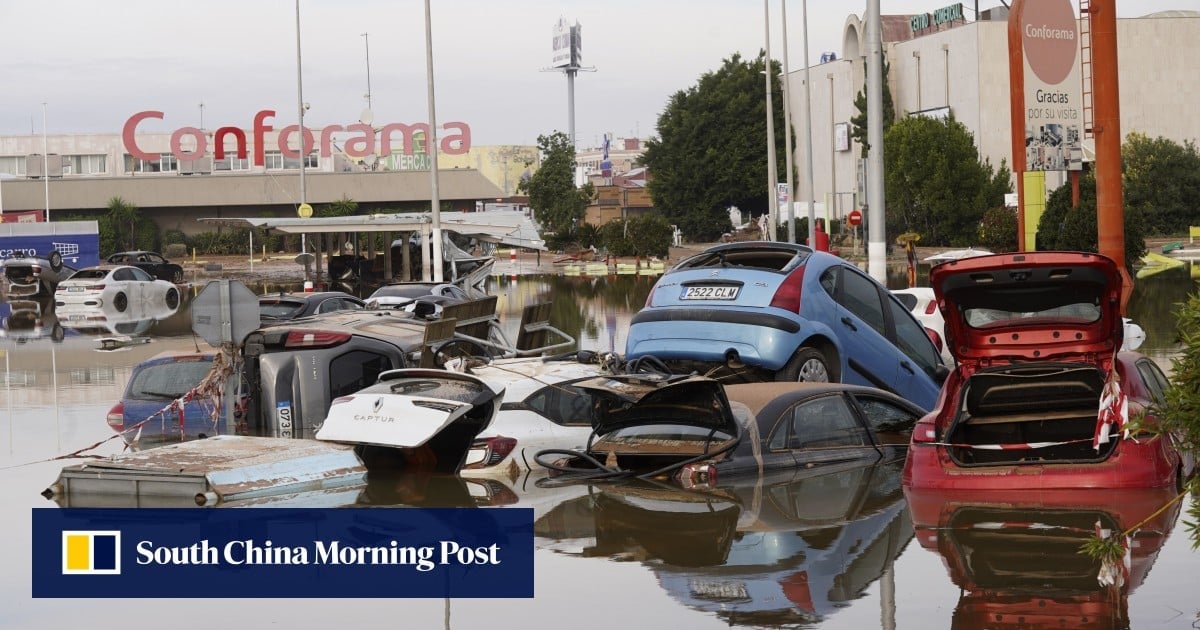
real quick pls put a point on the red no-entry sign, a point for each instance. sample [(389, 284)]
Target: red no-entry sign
[(854, 218)]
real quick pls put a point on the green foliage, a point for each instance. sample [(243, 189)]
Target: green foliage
[(1161, 179), (615, 237), (858, 122), (175, 251), (223, 243), (936, 185), (587, 235), (1074, 229), (171, 237), (555, 199), (998, 229), (123, 228), (343, 207), (711, 149), (644, 235), (1181, 413)]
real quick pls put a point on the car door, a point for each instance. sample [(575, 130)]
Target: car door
[(868, 358), (819, 430), (143, 283), (123, 278), (916, 376), (891, 423), (553, 416)]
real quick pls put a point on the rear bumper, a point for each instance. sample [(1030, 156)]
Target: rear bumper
[(1146, 464), (759, 339)]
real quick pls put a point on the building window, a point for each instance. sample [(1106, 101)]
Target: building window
[(85, 164), (13, 165), (166, 163), (275, 161), (232, 164)]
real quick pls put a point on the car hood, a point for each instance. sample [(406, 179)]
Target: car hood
[(405, 418), (1032, 305), (622, 401)]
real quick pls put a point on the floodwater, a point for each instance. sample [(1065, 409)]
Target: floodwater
[(843, 549)]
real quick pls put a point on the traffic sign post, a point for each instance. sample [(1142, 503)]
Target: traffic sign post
[(304, 211), (855, 219)]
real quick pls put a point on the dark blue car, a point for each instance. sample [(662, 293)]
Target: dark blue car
[(164, 403), (780, 311)]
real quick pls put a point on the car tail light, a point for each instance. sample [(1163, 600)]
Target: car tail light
[(931, 307), (37, 271), (341, 399), (693, 476), (314, 339), (495, 450), (650, 295), (94, 287), (116, 417), (787, 297), (924, 433)]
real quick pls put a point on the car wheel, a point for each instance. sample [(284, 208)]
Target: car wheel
[(55, 260), (172, 299), (121, 302), (808, 365), (57, 333), (177, 276)]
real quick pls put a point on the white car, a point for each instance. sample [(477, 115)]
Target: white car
[(115, 287), (542, 409)]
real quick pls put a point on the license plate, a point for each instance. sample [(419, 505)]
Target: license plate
[(75, 289), (717, 590), (283, 418), (719, 292)]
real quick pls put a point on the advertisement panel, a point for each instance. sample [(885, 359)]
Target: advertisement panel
[(1053, 86), (77, 241), (562, 44)]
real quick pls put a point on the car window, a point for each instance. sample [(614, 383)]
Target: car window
[(860, 295), (279, 308), (346, 304), (140, 275), (1156, 381), (913, 340), (562, 403), (89, 274), (125, 274), (330, 305), (819, 423), (356, 370), (907, 299), (168, 380), (892, 423)]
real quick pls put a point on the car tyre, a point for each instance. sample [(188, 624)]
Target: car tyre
[(808, 365), (177, 276), (121, 302), (172, 299), (55, 259)]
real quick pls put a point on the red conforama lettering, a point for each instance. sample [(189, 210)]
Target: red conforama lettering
[(456, 141)]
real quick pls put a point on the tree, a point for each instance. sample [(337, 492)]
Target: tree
[(559, 204), (858, 122), (712, 146), (123, 228), (1074, 229), (935, 183), (1161, 179)]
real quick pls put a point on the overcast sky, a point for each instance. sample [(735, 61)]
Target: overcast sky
[(95, 63)]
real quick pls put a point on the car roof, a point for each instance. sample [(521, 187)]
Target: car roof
[(311, 295), (757, 396)]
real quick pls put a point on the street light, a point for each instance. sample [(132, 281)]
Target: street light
[(367, 44), (46, 162), (431, 145), (772, 176)]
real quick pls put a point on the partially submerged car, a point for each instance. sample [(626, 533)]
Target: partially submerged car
[(1041, 396), (780, 311), (174, 396), (695, 430), (152, 263), (414, 419), (285, 305), (31, 276), (115, 287)]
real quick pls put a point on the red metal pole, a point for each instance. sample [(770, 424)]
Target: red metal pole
[(1110, 214)]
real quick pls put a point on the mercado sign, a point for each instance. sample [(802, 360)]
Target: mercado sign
[(1053, 86), (369, 141), (937, 18)]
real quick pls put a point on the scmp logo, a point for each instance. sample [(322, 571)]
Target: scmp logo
[(91, 552)]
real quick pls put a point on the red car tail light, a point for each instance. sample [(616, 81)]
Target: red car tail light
[(341, 399), (787, 297), (695, 476), (116, 417), (495, 450), (94, 287), (314, 339), (931, 307)]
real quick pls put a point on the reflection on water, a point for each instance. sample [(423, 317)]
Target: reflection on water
[(824, 550)]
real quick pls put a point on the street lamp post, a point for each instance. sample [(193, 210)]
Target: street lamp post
[(46, 163), (300, 114), (787, 138), (809, 182), (431, 146), (367, 44), (772, 176)]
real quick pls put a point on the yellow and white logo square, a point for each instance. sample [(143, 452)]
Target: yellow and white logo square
[(91, 552)]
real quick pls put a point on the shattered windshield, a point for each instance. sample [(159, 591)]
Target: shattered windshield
[(1077, 313)]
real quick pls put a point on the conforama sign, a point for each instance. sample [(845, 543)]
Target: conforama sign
[(455, 139)]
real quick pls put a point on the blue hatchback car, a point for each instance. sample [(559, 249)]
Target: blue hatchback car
[(156, 408), (780, 311)]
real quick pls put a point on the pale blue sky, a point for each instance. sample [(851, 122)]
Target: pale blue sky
[(97, 63)]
